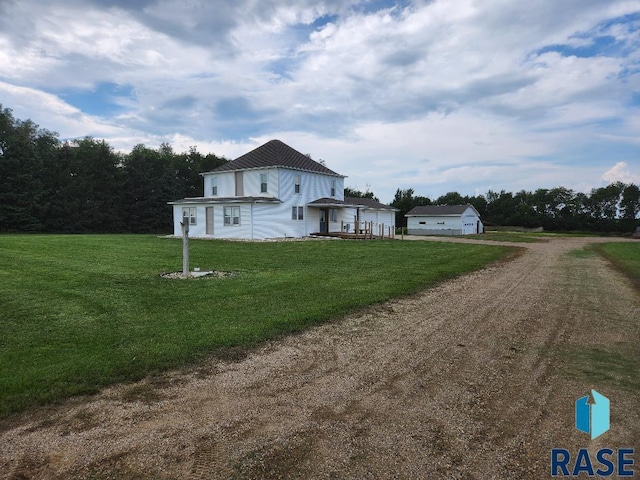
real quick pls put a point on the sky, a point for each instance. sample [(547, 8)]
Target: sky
[(438, 96)]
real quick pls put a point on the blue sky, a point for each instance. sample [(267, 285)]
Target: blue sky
[(438, 96)]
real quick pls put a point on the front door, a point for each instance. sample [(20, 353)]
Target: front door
[(323, 221), (209, 221)]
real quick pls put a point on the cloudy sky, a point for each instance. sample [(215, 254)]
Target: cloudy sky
[(438, 96)]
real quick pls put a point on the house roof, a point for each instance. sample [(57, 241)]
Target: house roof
[(439, 210), (275, 154), (350, 202), (328, 202), (368, 203), (201, 200)]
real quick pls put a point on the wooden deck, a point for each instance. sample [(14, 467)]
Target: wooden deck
[(349, 236)]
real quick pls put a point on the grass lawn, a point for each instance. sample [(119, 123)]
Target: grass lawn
[(507, 237), (81, 312), (625, 256), (616, 364)]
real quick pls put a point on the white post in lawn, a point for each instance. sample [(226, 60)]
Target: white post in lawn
[(185, 246)]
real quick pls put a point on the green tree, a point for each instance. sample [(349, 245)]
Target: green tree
[(150, 182), (605, 203), (630, 202), (351, 192), (451, 198), (25, 149), (189, 166), (404, 201), (85, 188), (479, 202)]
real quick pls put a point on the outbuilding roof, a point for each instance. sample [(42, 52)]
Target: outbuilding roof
[(439, 210), (275, 153)]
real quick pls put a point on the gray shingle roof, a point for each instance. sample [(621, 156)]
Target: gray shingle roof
[(435, 210), (326, 201), (275, 154), (200, 200), (367, 202), (352, 202)]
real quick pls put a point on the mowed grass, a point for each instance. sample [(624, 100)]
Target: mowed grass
[(80, 312), (625, 256), (507, 237), (616, 364)]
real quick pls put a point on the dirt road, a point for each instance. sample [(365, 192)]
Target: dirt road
[(473, 379)]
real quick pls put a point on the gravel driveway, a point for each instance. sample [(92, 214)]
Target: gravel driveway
[(467, 380)]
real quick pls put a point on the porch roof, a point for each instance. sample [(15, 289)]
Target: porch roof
[(216, 200), (328, 202), (350, 202)]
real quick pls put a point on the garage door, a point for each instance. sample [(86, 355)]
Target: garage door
[(468, 228)]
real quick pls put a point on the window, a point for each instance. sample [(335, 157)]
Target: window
[(333, 188), (263, 182), (296, 188), (190, 213), (333, 215), (231, 216), (214, 186), (297, 213)]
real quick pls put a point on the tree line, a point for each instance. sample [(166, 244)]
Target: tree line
[(84, 186), (615, 207)]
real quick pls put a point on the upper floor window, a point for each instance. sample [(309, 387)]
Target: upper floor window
[(231, 216), (264, 179), (190, 214), (296, 187), (333, 188), (214, 186)]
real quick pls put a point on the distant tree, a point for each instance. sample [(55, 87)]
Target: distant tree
[(189, 166), (26, 148), (150, 182), (85, 188), (350, 192), (630, 202), (404, 201), (479, 203), (605, 202), (505, 208), (451, 198)]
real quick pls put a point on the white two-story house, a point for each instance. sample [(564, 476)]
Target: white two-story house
[(274, 191)]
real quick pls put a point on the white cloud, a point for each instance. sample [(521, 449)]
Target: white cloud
[(620, 172), (439, 95), (52, 113)]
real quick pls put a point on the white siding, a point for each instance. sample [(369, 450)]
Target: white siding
[(197, 230), (464, 224), (252, 182), (259, 220), (226, 184), (312, 186)]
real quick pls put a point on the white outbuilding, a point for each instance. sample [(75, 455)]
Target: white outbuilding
[(444, 220)]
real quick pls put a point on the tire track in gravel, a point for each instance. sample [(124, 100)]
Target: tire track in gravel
[(460, 381)]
